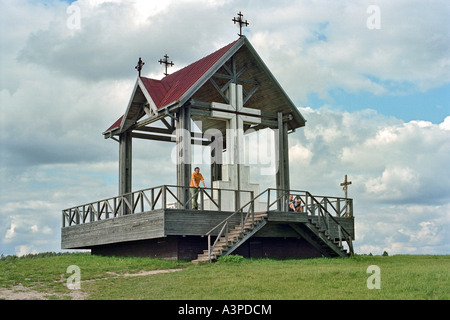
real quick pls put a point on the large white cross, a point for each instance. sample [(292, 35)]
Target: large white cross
[(232, 114)]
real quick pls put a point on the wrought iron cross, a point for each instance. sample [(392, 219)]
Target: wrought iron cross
[(241, 22), (166, 62), (139, 66)]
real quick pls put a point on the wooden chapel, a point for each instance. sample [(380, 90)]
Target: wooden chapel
[(230, 92)]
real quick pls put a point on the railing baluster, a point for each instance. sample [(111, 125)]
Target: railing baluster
[(164, 197), (202, 202), (209, 248)]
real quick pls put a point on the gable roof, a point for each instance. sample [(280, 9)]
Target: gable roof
[(174, 86), (180, 86)]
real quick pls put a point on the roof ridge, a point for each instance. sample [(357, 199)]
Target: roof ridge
[(182, 80), (199, 60)]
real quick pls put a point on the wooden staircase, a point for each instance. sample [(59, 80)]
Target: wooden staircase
[(316, 234), (235, 237), (314, 230)]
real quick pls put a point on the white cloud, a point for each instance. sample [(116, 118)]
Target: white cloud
[(10, 232), (299, 152), (399, 173), (61, 88), (446, 124), (24, 250), (327, 45), (394, 183)]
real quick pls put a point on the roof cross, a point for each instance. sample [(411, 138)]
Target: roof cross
[(166, 62), (241, 22), (139, 66)]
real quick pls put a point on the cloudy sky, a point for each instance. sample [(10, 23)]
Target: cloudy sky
[(372, 78)]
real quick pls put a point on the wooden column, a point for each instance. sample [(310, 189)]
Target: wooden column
[(183, 136), (216, 149), (125, 168), (287, 184), (125, 162), (282, 152)]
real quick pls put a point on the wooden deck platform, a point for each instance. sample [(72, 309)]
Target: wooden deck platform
[(123, 226), (178, 234)]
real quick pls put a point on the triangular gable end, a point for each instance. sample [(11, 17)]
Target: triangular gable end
[(140, 97), (243, 65), (195, 81)]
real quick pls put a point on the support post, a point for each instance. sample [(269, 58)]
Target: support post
[(125, 166), (287, 184), (183, 140), (282, 153), (125, 162)]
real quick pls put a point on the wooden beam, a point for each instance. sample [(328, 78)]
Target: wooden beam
[(287, 184), (183, 157), (224, 97), (171, 138), (168, 126), (155, 130), (279, 156), (199, 112), (153, 137), (125, 165), (251, 93), (282, 160)]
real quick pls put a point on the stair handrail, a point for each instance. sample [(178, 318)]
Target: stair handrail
[(323, 212), (347, 236), (224, 223), (235, 212)]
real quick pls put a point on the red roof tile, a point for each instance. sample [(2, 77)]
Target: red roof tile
[(115, 124), (174, 86)]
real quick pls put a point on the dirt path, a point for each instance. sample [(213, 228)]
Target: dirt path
[(20, 292)]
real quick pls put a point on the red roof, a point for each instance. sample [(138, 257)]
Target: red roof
[(174, 86)]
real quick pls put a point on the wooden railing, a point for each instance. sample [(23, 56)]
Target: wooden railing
[(339, 207), (319, 206), (166, 197), (224, 225), (324, 207), (161, 197)]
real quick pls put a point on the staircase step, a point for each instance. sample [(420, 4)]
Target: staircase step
[(234, 235)]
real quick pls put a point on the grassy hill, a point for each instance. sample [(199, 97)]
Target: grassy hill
[(402, 277)]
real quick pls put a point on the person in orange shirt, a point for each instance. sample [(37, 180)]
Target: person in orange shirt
[(196, 177)]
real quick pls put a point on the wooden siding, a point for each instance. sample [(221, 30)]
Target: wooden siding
[(147, 225), (165, 248), (278, 247), (187, 248), (194, 222)]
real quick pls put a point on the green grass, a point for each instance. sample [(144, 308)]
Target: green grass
[(403, 277)]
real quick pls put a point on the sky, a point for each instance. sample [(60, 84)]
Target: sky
[(372, 79)]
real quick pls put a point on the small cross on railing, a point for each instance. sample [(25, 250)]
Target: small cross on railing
[(344, 186), (241, 22), (166, 62)]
